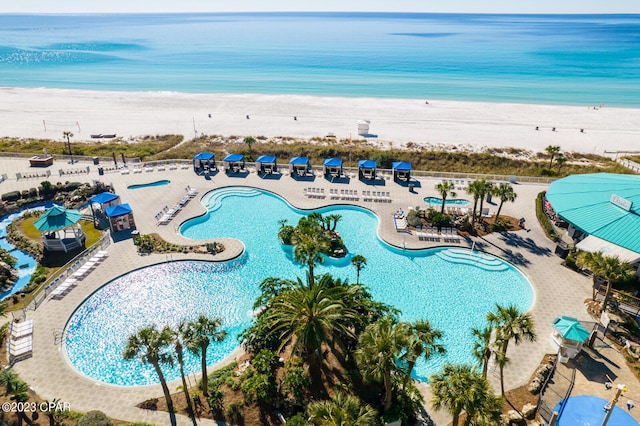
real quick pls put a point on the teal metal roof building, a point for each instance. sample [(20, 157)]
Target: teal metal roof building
[(603, 205)]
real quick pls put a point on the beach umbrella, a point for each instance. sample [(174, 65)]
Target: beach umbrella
[(571, 329)]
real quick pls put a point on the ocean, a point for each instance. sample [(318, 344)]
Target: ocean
[(542, 59)]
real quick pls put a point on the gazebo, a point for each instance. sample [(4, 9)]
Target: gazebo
[(267, 164), (233, 162), (367, 169), (103, 200), (568, 337), (299, 166), (332, 167), (603, 212), (120, 217), (60, 229), (203, 162), (401, 170)]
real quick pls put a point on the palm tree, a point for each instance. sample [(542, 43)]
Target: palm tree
[(69, 135), (592, 261), (333, 220), (359, 262), (198, 336), (484, 187), (309, 242), (445, 188), (474, 189), (482, 347), (560, 161), (422, 342), (311, 316), (150, 346), (609, 268), (462, 388), (249, 141), (17, 389), (342, 410), (179, 343), (505, 192), (379, 345), (510, 324), (552, 151)]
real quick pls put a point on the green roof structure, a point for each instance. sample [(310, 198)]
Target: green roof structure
[(56, 218), (604, 205)]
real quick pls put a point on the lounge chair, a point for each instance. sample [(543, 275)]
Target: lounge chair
[(485, 212), (21, 329)]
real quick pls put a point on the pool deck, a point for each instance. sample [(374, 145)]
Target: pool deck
[(558, 291)]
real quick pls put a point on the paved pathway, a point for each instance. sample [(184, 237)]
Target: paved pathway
[(558, 291)]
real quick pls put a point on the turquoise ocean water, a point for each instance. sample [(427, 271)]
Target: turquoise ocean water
[(549, 59)]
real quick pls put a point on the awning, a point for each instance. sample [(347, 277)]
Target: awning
[(204, 156), (594, 244), (57, 217), (234, 158), (367, 164), (332, 162), (299, 161), (401, 166), (118, 210), (571, 329), (266, 159), (104, 198)]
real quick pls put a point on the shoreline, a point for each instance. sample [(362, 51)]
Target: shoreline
[(434, 124)]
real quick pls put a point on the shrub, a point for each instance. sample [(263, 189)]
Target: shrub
[(413, 218), (544, 220), (298, 420), (94, 418), (258, 387), (11, 196), (234, 412), (265, 361), (438, 219), (295, 380), (285, 234)]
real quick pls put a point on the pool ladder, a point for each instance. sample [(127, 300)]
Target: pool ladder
[(57, 336)]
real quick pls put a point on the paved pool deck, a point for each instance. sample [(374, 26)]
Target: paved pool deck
[(558, 291)]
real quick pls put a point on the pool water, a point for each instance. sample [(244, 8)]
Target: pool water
[(438, 201), (453, 288), (150, 184)]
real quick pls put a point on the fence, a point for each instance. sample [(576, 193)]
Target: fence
[(40, 294), (555, 389)]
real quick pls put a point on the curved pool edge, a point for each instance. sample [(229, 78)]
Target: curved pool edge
[(178, 382)]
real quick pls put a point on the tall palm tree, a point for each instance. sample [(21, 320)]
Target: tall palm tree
[(592, 261), (198, 336), (460, 387), (179, 343), (359, 262), (422, 341), (445, 189), (68, 136), (510, 324), (482, 347), (17, 390), (474, 189), (309, 242), (552, 151), (505, 192), (342, 410), (333, 220), (249, 140), (151, 346), (609, 268), (379, 345), (311, 316), (484, 187)]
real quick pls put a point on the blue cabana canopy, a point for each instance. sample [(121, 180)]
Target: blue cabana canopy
[(234, 158), (299, 161), (118, 210), (57, 217), (104, 198), (367, 164), (332, 162), (266, 159), (204, 156), (402, 166)]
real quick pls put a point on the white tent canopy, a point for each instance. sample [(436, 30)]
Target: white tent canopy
[(594, 244)]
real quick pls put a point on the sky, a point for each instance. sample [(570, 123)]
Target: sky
[(436, 6)]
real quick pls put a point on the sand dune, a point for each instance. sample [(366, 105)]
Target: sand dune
[(47, 113)]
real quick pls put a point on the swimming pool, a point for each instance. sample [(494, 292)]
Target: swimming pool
[(453, 288), (438, 201), (150, 184)]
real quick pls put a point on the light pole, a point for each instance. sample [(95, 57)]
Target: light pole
[(612, 404)]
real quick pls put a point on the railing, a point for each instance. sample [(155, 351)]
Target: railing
[(40, 294), (546, 403)]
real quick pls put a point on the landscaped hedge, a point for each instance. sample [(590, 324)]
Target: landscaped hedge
[(544, 220)]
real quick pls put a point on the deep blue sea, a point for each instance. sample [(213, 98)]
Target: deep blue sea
[(549, 59)]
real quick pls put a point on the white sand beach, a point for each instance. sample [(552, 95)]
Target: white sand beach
[(472, 126)]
